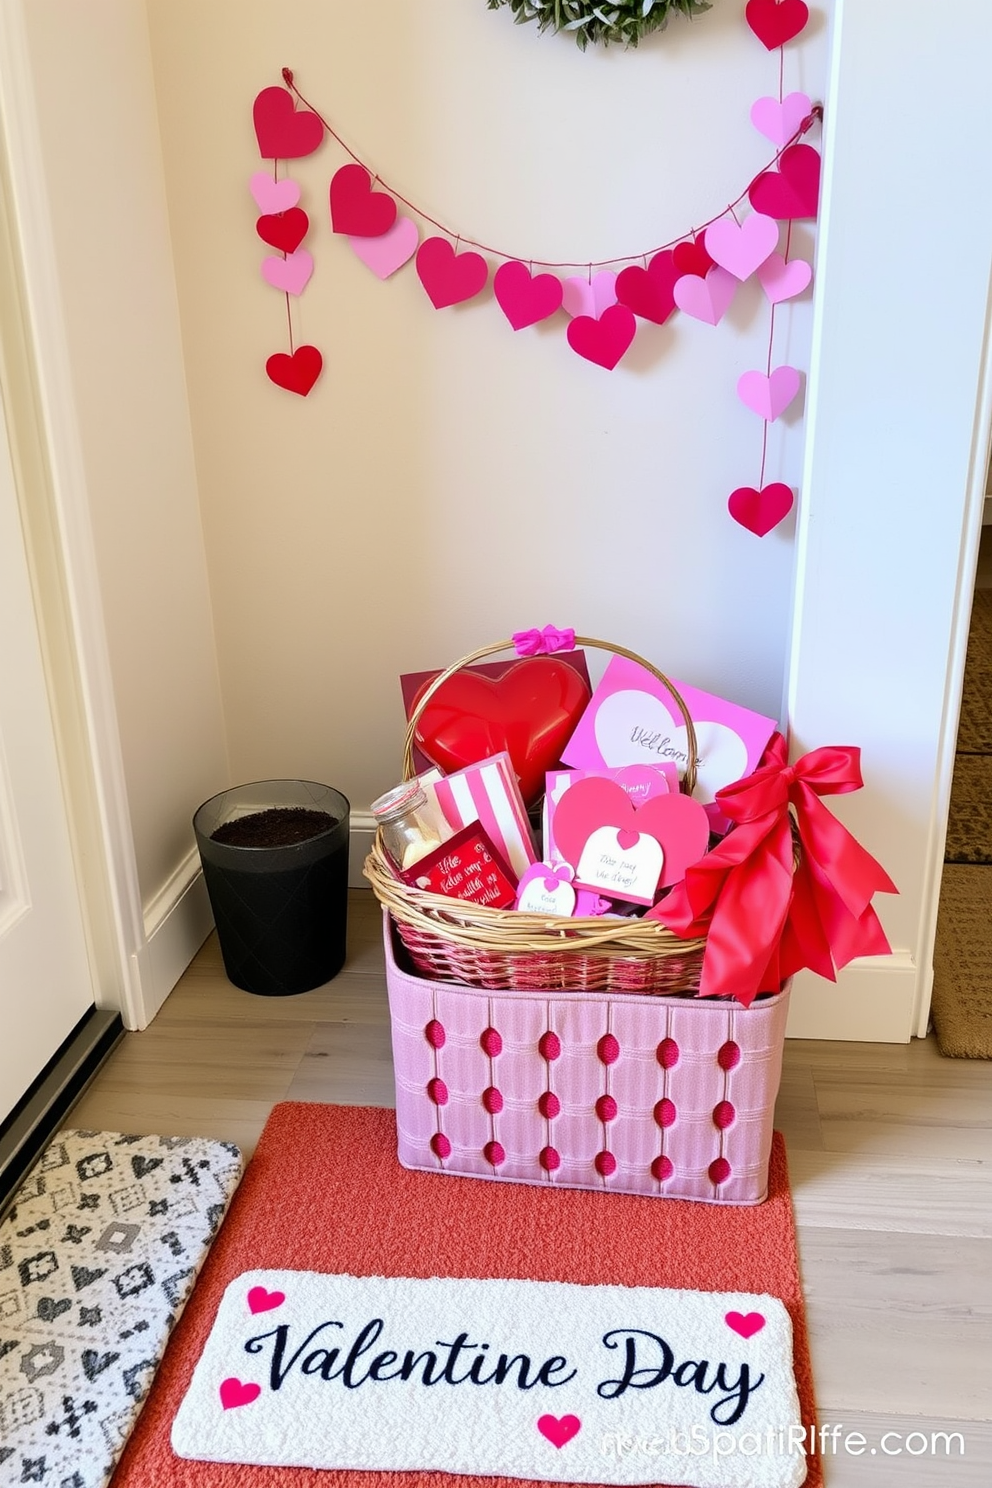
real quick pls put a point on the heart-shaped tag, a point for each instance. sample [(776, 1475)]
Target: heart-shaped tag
[(290, 274), (777, 121), (791, 191), (390, 250), (530, 711), (691, 257), (774, 22), (706, 299), (783, 279), (273, 196), (546, 890), (760, 511), (581, 296), (677, 823), (283, 131), (648, 292), (603, 340), (284, 230), (356, 209), (559, 1429), (741, 247), (233, 1393), (769, 395), (525, 298), (449, 277), (745, 1323), (296, 373), (260, 1300)]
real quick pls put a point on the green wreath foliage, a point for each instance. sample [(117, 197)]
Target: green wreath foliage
[(623, 21)]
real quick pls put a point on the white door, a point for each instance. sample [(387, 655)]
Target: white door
[(45, 978)]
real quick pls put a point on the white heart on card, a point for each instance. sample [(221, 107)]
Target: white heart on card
[(634, 728)]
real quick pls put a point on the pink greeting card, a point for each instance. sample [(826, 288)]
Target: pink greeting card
[(633, 720)]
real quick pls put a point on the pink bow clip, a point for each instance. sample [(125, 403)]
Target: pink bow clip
[(543, 642)]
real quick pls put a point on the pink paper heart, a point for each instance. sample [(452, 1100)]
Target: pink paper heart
[(783, 279), (678, 822), (777, 121), (233, 1393), (525, 298), (290, 274), (559, 1429), (390, 250), (273, 196), (447, 276), (603, 340), (760, 511), (769, 396), (706, 299), (745, 1323), (582, 296), (741, 247), (791, 191), (259, 1300)]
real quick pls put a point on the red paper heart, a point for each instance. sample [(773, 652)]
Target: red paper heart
[(678, 822), (775, 22), (692, 258), (791, 191), (760, 511), (603, 340), (355, 208), (449, 277), (284, 230), (296, 373), (283, 131), (648, 292), (524, 298), (531, 712)]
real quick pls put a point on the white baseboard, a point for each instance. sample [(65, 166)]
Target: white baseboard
[(177, 922), (362, 833), (873, 1001)]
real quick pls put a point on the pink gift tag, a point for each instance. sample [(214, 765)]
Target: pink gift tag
[(641, 783), (624, 851), (546, 890)]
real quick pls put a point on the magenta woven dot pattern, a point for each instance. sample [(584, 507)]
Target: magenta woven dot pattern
[(651, 1095)]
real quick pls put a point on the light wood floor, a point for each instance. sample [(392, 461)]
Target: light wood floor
[(890, 1153)]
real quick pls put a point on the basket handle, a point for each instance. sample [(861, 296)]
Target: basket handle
[(692, 765)]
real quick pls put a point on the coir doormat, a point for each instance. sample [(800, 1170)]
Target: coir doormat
[(325, 1193)]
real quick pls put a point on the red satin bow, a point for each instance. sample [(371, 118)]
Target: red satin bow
[(762, 919), (543, 642)]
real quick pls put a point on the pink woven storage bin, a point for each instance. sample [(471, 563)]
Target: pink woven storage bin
[(672, 1097)]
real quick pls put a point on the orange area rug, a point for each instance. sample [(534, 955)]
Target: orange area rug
[(324, 1192)]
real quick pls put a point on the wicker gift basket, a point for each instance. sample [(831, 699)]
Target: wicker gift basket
[(454, 941)]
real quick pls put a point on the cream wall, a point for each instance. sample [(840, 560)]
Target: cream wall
[(101, 159), (448, 481)]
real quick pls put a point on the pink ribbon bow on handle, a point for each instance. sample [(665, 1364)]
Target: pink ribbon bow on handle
[(763, 917), (543, 642)]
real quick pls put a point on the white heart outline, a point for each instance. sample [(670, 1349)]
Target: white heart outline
[(722, 751)]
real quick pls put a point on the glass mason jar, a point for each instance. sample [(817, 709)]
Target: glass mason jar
[(407, 824)]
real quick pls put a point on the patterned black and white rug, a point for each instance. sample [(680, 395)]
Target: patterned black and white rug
[(97, 1258)]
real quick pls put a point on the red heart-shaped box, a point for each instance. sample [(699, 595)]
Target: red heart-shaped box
[(678, 822), (531, 712)]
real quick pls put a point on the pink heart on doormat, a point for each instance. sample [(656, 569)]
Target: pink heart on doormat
[(648, 292), (760, 511), (678, 822), (273, 196), (745, 1323), (791, 191), (449, 277), (260, 1300), (290, 274), (559, 1429), (589, 296), (296, 373), (283, 131), (233, 1393), (742, 247), (706, 299), (284, 230), (769, 396), (356, 209), (777, 121), (525, 298), (783, 279), (390, 250), (774, 22), (603, 340)]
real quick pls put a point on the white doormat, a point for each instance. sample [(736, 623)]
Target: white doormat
[(97, 1258), (529, 1379)]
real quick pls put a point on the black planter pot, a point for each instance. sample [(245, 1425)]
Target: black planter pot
[(282, 911)]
